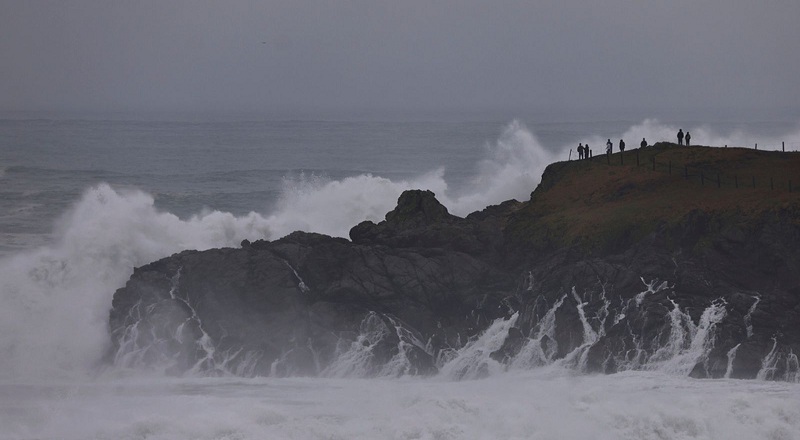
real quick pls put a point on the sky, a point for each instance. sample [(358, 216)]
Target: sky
[(283, 57)]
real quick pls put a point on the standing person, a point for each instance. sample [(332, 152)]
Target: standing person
[(621, 146), (609, 147), (680, 136), (580, 151), (643, 144), (688, 138)]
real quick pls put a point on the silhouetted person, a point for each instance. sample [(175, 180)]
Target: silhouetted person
[(621, 146), (688, 138), (580, 151), (609, 147), (680, 136), (643, 144)]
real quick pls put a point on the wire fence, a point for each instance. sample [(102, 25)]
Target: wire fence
[(709, 175), (718, 179), (785, 147)]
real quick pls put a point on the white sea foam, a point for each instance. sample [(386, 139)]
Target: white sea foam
[(511, 170), (56, 297), (540, 404), (317, 204), (654, 131)]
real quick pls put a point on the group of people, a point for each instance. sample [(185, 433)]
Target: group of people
[(681, 137), (585, 153)]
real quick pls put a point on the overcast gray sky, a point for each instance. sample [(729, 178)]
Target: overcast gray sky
[(282, 56)]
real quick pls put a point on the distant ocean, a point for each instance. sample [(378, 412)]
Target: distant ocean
[(276, 168), (83, 202)]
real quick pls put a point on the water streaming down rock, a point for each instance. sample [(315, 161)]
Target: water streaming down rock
[(777, 365), (425, 292), (169, 333), (540, 349), (769, 363), (384, 347), (731, 357), (688, 344), (686, 347), (748, 318), (474, 360)]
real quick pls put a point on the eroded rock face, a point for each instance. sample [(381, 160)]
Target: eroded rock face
[(296, 305), (407, 295)]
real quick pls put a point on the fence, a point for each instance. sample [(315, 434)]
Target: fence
[(783, 146), (707, 175), (718, 179)]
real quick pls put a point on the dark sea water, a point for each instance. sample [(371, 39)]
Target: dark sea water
[(83, 202), (234, 167)]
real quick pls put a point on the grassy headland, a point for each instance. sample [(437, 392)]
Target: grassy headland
[(609, 202)]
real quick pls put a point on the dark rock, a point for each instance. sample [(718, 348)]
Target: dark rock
[(710, 295)]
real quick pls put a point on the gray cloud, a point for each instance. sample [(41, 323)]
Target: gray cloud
[(308, 56)]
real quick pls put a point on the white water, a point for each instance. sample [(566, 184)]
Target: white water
[(534, 353), (512, 169), (541, 404), (749, 316), (357, 358), (473, 361), (56, 298), (688, 343), (654, 131)]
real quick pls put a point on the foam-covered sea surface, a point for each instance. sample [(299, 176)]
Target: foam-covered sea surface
[(540, 404), (84, 202)]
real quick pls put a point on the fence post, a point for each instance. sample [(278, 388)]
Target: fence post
[(756, 145), (718, 184), (783, 146)]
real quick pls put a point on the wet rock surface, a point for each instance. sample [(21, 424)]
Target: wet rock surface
[(713, 296)]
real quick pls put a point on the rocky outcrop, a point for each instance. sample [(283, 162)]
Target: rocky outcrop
[(713, 294), (296, 305), (420, 221)]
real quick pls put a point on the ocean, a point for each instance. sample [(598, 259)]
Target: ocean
[(83, 202)]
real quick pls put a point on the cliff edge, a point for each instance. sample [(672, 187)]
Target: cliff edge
[(682, 259)]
